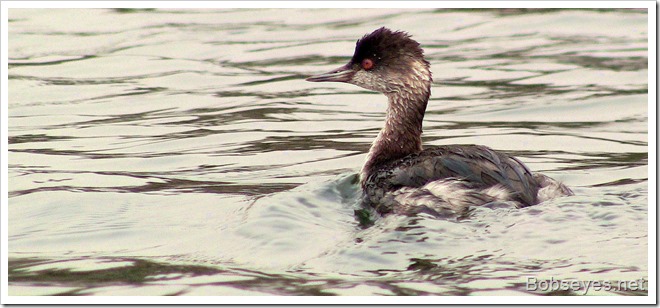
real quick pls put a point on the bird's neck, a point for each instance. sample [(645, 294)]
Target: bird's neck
[(402, 133)]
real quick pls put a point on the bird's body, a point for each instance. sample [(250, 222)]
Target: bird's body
[(455, 177), (399, 176)]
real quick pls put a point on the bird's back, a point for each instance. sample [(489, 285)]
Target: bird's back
[(451, 177)]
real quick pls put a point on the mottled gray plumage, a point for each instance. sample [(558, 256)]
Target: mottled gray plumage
[(399, 176), (477, 168)]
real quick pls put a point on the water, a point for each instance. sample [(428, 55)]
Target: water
[(181, 152)]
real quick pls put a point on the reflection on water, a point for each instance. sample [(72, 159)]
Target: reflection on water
[(181, 152)]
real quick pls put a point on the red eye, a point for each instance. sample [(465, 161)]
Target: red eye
[(367, 64)]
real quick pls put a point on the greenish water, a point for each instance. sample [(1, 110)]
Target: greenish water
[(181, 152)]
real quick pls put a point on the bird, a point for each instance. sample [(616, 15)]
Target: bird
[(399, 175)]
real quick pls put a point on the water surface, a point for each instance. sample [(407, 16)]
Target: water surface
[(181, 152)]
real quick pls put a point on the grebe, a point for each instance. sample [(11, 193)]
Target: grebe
[(400, 177)]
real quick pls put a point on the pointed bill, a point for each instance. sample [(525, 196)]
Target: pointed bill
[(341, 74)]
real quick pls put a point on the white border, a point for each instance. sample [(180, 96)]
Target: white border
[(653, 155), (326, 300), (4, 153), (652, 227), (329, 4)]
